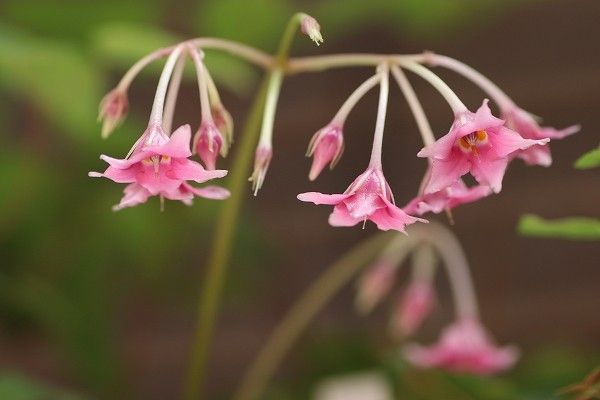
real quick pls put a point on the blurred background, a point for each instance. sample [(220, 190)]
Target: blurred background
[(95, 304)]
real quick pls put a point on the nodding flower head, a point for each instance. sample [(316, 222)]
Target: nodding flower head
[(414, 307), (478, 143), (208, 144), (326, 147), (525, 124), (158, 165), (311, 28), (464, 346), (224, 123), (262, 159), (374, 285), (113, 110), (446, 199), (369, 197)]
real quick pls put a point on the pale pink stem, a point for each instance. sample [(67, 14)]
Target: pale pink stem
[(384, 91), (202, 85), (248, 53), (159, 98), (266, 133), (320, 63), (340, 117), (136, 68), (455, 103), (495, 93), (415, 105), (172, 94), (424, 263)]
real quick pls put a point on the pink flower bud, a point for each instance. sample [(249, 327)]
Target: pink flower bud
[(311, 28), (374, 285), (208, 143), (113, 109), (224, 123), (326, 147), (415, 305), (262, 159)]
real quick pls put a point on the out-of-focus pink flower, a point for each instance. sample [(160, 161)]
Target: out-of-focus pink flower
[(464, 346), (262, 159), (326, 147), (522, 122), (451, 196), (478, 143), (374, 285), (113, 109), (159, 165), (368, 197), (208, 143), (224, 123), (415, 305)]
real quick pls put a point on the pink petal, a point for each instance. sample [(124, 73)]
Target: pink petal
[(134, 194), (341, 217), (536, 155), (188, 170), (210, 192), (504, 142), (489, 172), (560, 133), (321, 198), (445, 173), (178, 145)]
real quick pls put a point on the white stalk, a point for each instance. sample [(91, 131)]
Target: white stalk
[(384, 90), (415, 105), (435, 81), (163, 83), (172, 94), (495, 93), (340, 117), (266, 133), (202, 85)]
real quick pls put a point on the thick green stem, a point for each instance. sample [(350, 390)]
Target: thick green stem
[(216, 269), (221, 250)]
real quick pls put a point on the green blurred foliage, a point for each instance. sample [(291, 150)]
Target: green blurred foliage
[(589, 160), (575, 228), (68, 263)]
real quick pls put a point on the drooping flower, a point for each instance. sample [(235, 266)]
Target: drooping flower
[(262, 159), (310, 27), (525, 124), (224, 123), (464, 346), (369, 197), (415, 305), (113, 109), (374, 285), (449, 197), (326, 147), (208, 144), (478, 143), (159, 165)]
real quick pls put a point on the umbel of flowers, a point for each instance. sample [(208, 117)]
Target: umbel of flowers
[(161, 163)]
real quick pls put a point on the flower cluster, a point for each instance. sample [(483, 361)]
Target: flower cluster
[(465, 345)]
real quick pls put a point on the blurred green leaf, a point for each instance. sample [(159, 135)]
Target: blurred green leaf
[(45, 72), (589, 160), (576, 228), (17, 387)]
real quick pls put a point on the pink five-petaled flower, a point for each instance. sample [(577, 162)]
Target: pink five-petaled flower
[(522, 122), (368, 197), (451, 196), (208, 143), (464, 346), (326, 147), (478, 143), (375, 283), (159, 165), (113, 109), (415, 305)]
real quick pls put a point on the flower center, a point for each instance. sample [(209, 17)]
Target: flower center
[(470, 142), (155, 161)]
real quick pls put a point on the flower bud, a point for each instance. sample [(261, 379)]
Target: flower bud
[(326, 147), (113, 110)]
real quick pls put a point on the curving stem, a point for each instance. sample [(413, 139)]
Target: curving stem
[(384, 92)]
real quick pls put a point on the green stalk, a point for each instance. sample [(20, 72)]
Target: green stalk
[(216, 269)]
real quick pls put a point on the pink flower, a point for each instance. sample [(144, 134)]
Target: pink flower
[(224, 123), (113, 109), (478, 143), (208, 143), (451, 196), (374, 285), (262, 160), (159, 165), (326, 147), (368, 197), (415, 305), (464, 346), (526, 125)]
